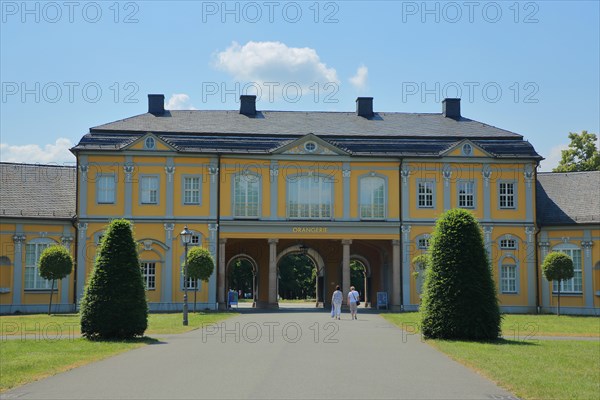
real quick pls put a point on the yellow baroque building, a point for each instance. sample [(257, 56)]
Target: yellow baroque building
[(337, 186)]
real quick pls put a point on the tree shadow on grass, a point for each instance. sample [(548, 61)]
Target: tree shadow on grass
[(496, 342), (143, 339)]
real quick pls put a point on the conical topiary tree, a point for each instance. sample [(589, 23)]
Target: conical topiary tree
[(55, 263), (459, 299), (558, 267), (114, 304), (200, 266)]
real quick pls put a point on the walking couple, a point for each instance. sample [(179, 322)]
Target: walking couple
[(336, 302)]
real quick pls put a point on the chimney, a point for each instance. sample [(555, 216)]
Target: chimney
[(156, 104), (451, 108), (248, 105), (364, 107)]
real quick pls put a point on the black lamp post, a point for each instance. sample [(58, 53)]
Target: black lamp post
[(186, 238)]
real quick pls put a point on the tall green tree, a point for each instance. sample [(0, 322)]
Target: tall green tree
[(459, 299), (114, 303), (55, 263), (582, 155), (200, 266), (558, 267), (240, 276), (297, 277)]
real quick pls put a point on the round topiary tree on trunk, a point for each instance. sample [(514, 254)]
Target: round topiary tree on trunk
[(55, 263), (114, 304), (200, 266), (459, 299), (558, 267)]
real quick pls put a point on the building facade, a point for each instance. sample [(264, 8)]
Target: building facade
[(336, 186)]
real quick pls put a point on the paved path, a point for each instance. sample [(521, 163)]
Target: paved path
[(294, 355)]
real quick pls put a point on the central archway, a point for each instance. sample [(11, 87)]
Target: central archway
[(317, 268)]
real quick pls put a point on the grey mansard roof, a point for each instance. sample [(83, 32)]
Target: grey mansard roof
[(37, 191), (568, 198), (385, 134)]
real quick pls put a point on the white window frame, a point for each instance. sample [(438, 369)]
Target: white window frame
[(507, 199), (246, 195), (33, 280), (149, 193), (149, 274), (106, 189), (508, 278), (575, 284), (508, 244), (318, 188), (375, 207), (423, 243), (465, 191), (425, 199), (185, 191)]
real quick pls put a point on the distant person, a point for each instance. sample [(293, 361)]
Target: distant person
[(336, 302), (353, 301)]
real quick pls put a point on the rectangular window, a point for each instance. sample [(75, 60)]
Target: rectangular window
[(506, 192), (191, 190), (508, 278), (149, 189), (33, 280), (575, 284), (372, 197), (466, 194), (425, 194), (149, 275), (192, 284), (508, 244), (246, 196), (423, 243), (309, 197), (105, 189)]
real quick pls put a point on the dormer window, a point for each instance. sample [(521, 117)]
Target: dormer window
[(467, 149), (150, 143), (310, 147)]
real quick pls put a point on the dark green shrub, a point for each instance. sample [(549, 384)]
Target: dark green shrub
[(55, 263), (114, 304), (200, 266), (558, 267), (459, 299)]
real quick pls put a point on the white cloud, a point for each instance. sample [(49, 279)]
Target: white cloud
[(53, 153), (262, 62), (359, 81), (553, 158), (179, 101)]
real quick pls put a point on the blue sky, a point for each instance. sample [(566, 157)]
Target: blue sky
[(529, 67)]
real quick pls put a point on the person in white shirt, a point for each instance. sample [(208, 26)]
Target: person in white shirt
[(353, 299), (336, 302)]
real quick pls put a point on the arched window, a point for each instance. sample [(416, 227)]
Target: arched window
[(309, 197), (33, 251), (246, 189), (372, 197), (573, 285)]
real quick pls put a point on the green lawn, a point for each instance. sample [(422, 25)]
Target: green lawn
[(531, 369), (522, 325), (65, 325), (23, 361), (41, 355)]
